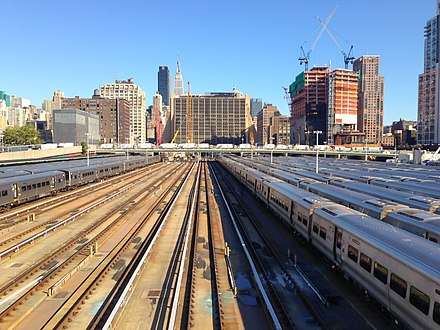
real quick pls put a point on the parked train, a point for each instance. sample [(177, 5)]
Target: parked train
[(416, 221), (300, 178), (23, 188), (399, 269)]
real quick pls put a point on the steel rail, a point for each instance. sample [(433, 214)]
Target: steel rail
[(270, 308)]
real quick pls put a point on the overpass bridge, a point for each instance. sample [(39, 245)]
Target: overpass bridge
[(382, 155)]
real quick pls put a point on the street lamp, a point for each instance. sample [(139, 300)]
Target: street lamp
[(88, 147), (317, 149), (366, 148)]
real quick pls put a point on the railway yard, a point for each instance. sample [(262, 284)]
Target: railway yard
[(227, 243)]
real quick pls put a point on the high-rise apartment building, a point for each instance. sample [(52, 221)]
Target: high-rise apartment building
[(217, 117), (342, 105), (156, 118), (178, 81), (428, 126), (371, 95), (309, 104), (127, 89), (326, 101), (113, 113), (163, 84), (279, 129), (6, 98), (263, 123)]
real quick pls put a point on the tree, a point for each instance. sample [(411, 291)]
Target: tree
[(21, 135), (84, 147)]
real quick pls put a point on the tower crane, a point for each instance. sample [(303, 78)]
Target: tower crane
[(305, 57), (189, 116), (348, 58), (287, 97)]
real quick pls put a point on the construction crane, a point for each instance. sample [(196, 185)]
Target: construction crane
[(348, 58), (305, 57), (287, 97), (175, 136), (189, 116)]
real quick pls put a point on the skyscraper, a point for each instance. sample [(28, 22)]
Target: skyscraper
[(163, 84), (127, 89), (371, 94), (256, 106), (428, 126), (178, 81)]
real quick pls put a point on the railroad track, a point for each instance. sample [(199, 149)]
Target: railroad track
[(201, 307), (291, 308), (49, 274), (69, 314)]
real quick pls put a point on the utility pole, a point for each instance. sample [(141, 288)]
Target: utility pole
[(317, 149)]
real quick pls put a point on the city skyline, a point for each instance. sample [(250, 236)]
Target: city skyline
[(256, 53)]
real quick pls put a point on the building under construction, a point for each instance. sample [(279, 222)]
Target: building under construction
[(216, 118), (324, 100)]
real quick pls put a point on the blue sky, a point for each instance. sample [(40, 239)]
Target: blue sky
[(78, 45)]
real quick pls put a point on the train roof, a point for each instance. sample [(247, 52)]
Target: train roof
[(381, 191), (297, 194), (28, 177), (418, 215), (412, 249), (66, 164)]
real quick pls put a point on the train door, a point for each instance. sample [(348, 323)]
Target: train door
[(309, 228), (337, 244), (291, 213), (52, 182), (15, 191)]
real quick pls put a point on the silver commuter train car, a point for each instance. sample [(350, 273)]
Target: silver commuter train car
[(16, 190), (397, 268)]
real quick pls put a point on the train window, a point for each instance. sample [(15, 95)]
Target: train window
[(47, 183), (380, 272), (315, 228), (436, 313), (4, 193), (39, 185), (398, 285), (353, 253), (28, 187), (338, 239), (323, 232), (34, 186), (23, 188), (365, 262), (419, 300), (305, 221), (43, 184), (433, 240)]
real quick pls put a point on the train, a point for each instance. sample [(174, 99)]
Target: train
[(300, 178), (20, 189), (397, 268)]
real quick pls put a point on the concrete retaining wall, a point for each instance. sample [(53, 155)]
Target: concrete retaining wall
[(37, 154)]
